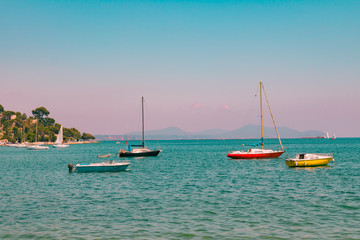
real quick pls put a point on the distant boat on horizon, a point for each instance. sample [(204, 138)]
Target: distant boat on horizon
[(327, 135)]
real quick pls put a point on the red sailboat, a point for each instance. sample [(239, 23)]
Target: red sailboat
[(252, 153)]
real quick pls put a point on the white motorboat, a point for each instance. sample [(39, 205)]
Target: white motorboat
[(108, 166)]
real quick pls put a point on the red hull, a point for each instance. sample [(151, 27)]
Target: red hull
[(246, 155)]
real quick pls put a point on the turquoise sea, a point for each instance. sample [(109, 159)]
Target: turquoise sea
[(190, 191)]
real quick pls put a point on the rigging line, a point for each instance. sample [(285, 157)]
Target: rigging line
[(272, 117), (138, 123), (149, 122), (143, 126)]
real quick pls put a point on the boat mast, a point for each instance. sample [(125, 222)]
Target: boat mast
[(36, 130), (142, 109), (261, 115)]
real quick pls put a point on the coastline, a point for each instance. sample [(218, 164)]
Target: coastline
[(52, 143)]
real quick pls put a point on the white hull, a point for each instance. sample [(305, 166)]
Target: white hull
[(37, 147), (21, 146), (11, 145), (100, 167), (61, 146)]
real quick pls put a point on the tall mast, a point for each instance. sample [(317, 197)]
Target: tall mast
[(142, 109), (261, 115), (36, 130)]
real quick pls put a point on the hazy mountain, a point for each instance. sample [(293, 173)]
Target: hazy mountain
[(248, 131), (254, 131), (216, 131), (170, 131)]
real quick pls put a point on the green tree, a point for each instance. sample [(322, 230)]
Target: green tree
[(23, 127), (71, 133), (7, 115), (30, 137), (8, 137), (40, 112), (21, 116), (49, 122), (87, 136), (8, 124), (52, 137)]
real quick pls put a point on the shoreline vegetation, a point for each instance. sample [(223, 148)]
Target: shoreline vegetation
[(16, 127)]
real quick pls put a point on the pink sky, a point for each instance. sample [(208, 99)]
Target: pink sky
[(198, 65)]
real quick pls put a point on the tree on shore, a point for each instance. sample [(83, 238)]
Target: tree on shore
[(40, 112), (49, 121), (87, 136), (7, 115), (22, 128), (71, 133)]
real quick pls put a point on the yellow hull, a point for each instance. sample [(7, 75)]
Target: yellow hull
[(308, 162)]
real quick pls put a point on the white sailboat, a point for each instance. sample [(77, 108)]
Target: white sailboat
[(37, 146), (59, 140)]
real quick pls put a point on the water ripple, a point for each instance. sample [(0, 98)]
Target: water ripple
[(191, 190)]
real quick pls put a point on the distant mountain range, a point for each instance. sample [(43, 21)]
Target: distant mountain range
[(248, 131)]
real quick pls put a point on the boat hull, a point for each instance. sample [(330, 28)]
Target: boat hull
[(308, 162), (95, 168), (21, 146), (139, 154), (61, 146), (37, 147), (246, 155)]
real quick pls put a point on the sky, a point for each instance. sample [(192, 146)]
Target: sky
[(197, 63)]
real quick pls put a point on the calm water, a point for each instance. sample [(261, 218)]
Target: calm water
[(191, 190)]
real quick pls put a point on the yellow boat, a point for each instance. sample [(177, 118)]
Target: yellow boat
[(309, 160)]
